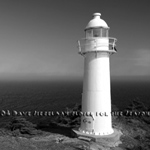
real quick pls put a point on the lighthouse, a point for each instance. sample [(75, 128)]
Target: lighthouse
[(96, 49)]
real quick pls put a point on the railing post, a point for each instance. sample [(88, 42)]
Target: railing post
[(95, 43), (79, 46), (113, 44)]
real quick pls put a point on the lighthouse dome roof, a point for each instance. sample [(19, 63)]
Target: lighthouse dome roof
[(96, 22)]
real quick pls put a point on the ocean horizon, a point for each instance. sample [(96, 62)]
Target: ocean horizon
[(43, 96), (53, 95)]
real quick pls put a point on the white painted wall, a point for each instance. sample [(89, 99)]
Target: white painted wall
[(96, 92)]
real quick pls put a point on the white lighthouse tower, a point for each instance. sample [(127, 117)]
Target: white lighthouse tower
[(96, 48)]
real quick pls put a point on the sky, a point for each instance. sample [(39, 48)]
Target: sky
[(38, 38)]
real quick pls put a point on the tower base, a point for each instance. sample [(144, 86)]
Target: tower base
[(111, 140)]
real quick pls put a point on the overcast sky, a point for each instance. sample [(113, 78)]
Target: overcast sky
[(38, 38)]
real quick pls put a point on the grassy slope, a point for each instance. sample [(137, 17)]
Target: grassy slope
[(135, 129)]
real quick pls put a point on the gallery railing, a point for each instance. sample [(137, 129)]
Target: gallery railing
[(97, 44)]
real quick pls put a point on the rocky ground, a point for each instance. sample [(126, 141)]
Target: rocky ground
[(56, 134)]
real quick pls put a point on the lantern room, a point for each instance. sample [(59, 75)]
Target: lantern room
[(96, 32), (97, 37), (96, 27)]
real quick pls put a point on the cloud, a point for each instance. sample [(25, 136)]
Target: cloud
[(132, 63), (23, 63), (142, 58), (129, 63)]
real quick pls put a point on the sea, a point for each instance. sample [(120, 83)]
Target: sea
[(25, 96)]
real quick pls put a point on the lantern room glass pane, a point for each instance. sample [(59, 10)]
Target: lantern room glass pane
[(96, 32), (89, 33), (104, 32)]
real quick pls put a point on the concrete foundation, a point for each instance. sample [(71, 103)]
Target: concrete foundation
[(111, 140)]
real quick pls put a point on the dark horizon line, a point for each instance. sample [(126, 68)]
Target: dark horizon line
[(74, 79)]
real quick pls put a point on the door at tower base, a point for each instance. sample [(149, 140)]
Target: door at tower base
[(98, 124), (88, 124)]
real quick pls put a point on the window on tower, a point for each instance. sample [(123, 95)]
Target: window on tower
[(89, 33), (96, 32), (104, 32)]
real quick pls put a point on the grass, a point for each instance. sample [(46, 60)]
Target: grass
[(55, 133)]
